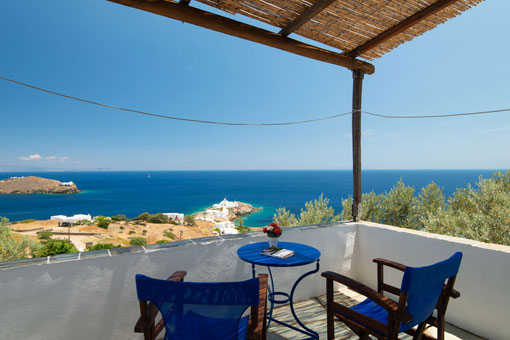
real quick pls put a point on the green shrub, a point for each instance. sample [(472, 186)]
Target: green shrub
[(121, 228), (161, 241), (169, 234), (284, 218), (30, 220), (154, 218), (144, 231), (102, 246), (189, 219), (398, 207), (317, 212), (119, 217), (45, 235), (138, 241), (142, 217), (103, 222), (54, 247), (131, 232), (10, 247), (158, 218), (241, 228), (481, 213)]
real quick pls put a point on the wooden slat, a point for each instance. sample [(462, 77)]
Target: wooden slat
[(400, 27), (225, 25), (257, 326), (185, 2), (304, 17), (389, 288), (347, 24)]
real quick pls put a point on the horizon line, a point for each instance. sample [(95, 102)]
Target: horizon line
[(210, 170)]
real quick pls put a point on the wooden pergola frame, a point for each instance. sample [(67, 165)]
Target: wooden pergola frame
[(183, 12)]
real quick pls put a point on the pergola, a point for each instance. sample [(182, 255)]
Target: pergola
[(359, 28)]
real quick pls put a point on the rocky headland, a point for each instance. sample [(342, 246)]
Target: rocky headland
[(234, 212), (36, 185), (241, 210)]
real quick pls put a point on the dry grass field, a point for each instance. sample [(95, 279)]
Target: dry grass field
[(117, 233)]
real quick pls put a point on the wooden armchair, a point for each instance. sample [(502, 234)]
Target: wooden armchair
[(422, 291), (183, 320)]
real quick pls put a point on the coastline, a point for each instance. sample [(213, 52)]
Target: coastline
[(166, 227), (110, 192)]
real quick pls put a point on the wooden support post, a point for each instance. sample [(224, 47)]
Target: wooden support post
[(357, 86)]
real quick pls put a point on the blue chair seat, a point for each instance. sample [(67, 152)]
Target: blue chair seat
[(371, 309)]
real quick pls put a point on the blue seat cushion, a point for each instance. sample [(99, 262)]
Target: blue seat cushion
[(376, 312)]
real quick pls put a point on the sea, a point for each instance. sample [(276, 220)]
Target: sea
[(134, 192)]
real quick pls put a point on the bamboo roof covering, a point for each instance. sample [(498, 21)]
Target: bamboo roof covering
[(358, 28), (347, 24)]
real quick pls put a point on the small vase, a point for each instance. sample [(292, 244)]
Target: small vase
[(273, 241)]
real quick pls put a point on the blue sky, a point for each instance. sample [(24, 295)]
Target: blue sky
[(120, 56)]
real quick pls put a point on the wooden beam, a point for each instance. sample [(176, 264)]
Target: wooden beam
[(357, 87), (184, 2), (400, 27), (304, 17), (238, 29)]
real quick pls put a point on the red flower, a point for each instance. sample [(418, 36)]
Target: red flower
[(277, 230), (265, 230), (274, 225)]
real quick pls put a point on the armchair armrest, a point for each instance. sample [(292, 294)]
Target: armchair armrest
[(389, 263), (147, 318), (177, 276), (378, 298), (453, 293)]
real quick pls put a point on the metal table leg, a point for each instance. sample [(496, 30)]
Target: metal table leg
[(290, 299)]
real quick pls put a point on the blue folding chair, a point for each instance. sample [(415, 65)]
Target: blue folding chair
[(422, 291), (209, 310)]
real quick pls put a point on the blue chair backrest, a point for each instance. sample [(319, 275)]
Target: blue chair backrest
[(193, 310), (424, 285)]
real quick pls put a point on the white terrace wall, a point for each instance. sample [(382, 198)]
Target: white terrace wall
[(483, 280), (95, 298)]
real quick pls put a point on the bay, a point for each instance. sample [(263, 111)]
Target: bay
[(133, 192)]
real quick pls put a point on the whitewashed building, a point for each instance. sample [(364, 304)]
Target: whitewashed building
[(67, 184), (71, 219), (225, 204), (59, 218), (213, 213), (226, 228), (203, 218), (175, 216)]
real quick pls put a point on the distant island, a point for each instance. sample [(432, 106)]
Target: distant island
[(36, 185)]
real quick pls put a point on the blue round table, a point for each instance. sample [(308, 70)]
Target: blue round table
[(303, 255)]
